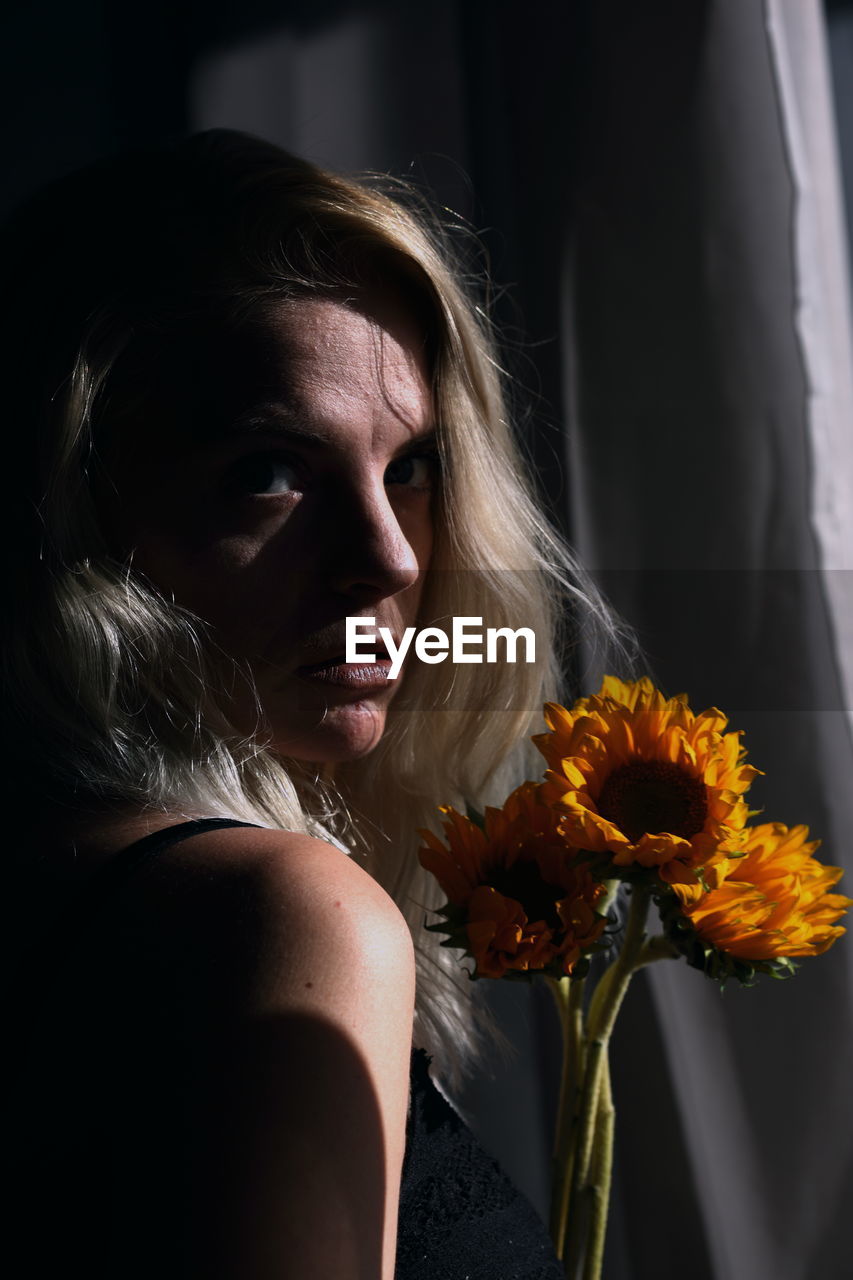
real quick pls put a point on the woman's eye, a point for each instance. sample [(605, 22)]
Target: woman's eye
[(417, 471), (263, 473)]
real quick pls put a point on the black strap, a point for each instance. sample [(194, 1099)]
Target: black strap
[(123, 864), (90, 898), (95, 892)]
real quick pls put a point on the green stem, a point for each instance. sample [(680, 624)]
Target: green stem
[(568, 995), (600, 1175), (601, 1019), (603, 1011), (560, 988), (657, 948)]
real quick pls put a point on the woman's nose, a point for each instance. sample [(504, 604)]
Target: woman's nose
[(373, 557)]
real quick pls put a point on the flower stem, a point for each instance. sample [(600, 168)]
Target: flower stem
[(657, 948), (601, 1020), (604, 1008), (568, 994), (602, 1168)]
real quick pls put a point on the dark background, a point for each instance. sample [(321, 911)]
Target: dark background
[(495, 108), (532, 122)]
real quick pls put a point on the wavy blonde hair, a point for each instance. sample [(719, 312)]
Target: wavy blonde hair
[(115, 693)]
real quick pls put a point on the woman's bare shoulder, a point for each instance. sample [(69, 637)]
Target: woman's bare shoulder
[(291, 900), (295, 971)]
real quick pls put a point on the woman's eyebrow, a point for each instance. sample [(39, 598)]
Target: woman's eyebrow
[(299, 425), (273, 419), (425, 439)]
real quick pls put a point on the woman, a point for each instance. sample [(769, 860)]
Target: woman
[(247, 400)]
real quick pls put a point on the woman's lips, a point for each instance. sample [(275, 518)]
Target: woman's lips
[(361, 676)]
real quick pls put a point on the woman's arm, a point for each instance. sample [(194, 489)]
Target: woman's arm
[(298, 972)]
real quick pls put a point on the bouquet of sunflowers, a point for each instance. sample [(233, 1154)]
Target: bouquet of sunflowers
[(638, 789)]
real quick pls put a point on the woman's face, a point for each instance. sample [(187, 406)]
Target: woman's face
[(283, 480)]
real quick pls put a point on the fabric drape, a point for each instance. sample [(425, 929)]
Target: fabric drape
[(668, 193), (712, 456)]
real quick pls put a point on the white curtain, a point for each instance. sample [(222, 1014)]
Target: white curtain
[(709, 359), (706, 348)]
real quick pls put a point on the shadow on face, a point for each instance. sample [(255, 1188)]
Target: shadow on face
[(275, 477)]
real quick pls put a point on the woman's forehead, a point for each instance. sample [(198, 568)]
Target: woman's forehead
[(322, 358), (337, 355)]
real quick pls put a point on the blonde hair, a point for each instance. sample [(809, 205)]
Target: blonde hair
[(113, 689)]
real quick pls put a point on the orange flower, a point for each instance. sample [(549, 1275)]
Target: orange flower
[(645, 781), (518, 900), (772, 904)]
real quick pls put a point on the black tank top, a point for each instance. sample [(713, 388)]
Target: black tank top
[(460, 1217)]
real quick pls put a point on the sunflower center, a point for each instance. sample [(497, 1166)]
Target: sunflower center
[(650, 796), (523, 882)]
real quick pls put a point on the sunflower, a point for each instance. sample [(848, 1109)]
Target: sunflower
[(518, 900), (772, 905), (645, 782)]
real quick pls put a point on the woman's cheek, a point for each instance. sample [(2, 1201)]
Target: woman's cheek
[(415, 516)]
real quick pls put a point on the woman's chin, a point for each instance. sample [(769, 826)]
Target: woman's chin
[(347, 731)]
